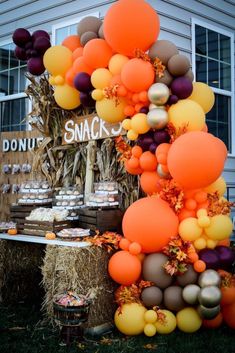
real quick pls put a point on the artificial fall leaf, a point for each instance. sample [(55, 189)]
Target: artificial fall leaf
[(172, 193), (159, 67), (106, 341), (140, 54), (123, 148), (217, 205), (150, 346), (111, 92), (127, 294), (175, 133), (108, 240)]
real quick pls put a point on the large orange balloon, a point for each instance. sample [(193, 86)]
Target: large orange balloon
[(196, 159), (97, 53), (150, 222), (137, 75), (124, 268), (149, 182), (131, 24), (72, 42)]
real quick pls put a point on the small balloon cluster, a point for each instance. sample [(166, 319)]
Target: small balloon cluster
[(31, 48)]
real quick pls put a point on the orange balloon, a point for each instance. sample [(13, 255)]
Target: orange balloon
[(135, 248), (77, 53), (133, 171), (205, 128), (225, 242), (143, 96), (196, 159), (190, 204), (214, 323), (129, 110), (80, 66), (124, 268), (162, 148), (228, 312), (184, 213), (200, 196), (148, 161), (150, 222), (149, 182), (199, 266), (69, 77), (72, 42), (131, 25), (136, 151), (134, 162), (124, 244), (97, 53), (116, 80), (193, 257), (137, 75)]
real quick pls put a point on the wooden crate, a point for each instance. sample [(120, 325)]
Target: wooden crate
[(103, 220), (40, 228)]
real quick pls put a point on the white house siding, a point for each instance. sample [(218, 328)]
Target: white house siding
[(175, 17)]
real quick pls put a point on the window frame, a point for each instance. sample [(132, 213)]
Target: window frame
[(16, 95), (231, 94)]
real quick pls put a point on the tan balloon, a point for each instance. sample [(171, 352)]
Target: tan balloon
[(163, 50), (86, 37), (157, 118), (189, 74), (178, 65), (89, 24), (167, 78)]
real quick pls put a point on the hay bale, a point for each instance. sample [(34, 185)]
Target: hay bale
[(79, 270), (20, 274)]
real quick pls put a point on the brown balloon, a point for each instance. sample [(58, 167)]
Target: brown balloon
[(173, 298), (166, 79), (101, 31), (189, 277), (89, 24), (86, 37), (189, 74), (151, 296), (154, 271), (178, 65), (163, 49)]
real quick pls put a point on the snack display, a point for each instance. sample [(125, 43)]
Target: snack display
[(4, 226), (69, 198), (105, 195), (73, 233), (35, 192), (71, 299), (47, 215)]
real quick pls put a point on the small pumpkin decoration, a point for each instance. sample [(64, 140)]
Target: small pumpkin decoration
[(50, 235), (12, 231)]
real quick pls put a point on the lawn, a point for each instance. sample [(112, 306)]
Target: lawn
[(22, 331)]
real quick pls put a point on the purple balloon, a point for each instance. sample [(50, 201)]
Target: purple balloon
[(144, 142), (172, 99), (40, 33), (82, 82), (161, 136), (35, 66), (152, 147), (86, 100), (210, 257), (144, 110), (41, 44), (182, 87), (20, 53), (28, 45), (226, 256), (21, 36), (34, 53)]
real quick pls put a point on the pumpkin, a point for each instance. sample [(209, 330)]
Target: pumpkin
[(228, 312), (12, 231), (214, 323), (227, 287), (50, 235)]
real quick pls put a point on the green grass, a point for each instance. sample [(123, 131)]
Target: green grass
[(22, 331)]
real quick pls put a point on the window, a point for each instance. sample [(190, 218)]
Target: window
[(213, 52), (13, 100), (62, 30)]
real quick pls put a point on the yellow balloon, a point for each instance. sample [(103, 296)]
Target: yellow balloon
[(219, 185), (220, 228), (211, 244), (132, 135), (189, 229), (203, 95), (150, 330), (126, 124), (200, 243), (51, 80), (67, 97), (100, 78), (201, 212), (168, 324), (204, 221), (130, 320), (59, 80), (57, 60), (139, 123), (116, 63), (150, 316), (187, 113), (188, 320), (97, 94), (109, 111)]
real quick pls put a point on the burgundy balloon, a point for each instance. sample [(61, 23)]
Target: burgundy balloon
[(152, 147), (86, 100), (40, 33), (34, 53), (28, 54), (21, 36), (226, 256), (35, 66), (161, 136), (145, 141), (28, 45), (82, 82), (182, 87), (144, 110), (172, 99), (20, 53), (210, 257), (41, 44)]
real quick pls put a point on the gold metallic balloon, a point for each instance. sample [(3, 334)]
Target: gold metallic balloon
[(161, 173), (158, 93), (209, 278), (152, 106), (208, 313), (190, 293), (157, 118), (209, 296)]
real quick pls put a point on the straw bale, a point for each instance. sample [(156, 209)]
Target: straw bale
[(80, 270)]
